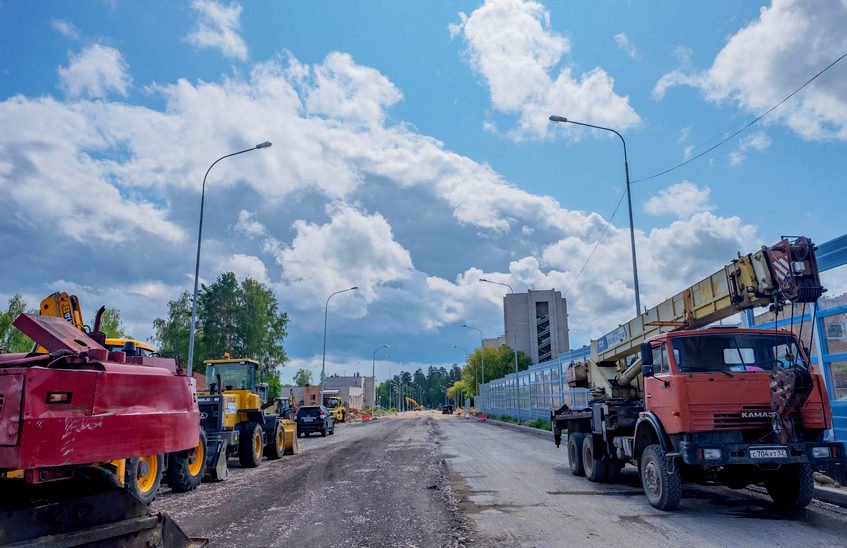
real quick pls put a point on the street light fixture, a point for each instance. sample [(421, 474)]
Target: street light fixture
[(264, 144), (373, 371), (562, 119), (323, 360), (498, 283), (467, 361)]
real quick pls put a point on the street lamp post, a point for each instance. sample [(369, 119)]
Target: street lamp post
[(323, 359), (467, 361), (265, 144), (562, 119), (373, 371), (481, 350)]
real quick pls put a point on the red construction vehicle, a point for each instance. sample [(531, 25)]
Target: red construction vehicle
[(732, 405), (69, 419)]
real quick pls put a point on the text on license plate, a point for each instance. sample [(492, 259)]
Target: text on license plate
[(768, 453), (308, 419)]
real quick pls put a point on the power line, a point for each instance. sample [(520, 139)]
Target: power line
[(600, 239), (774, 107)]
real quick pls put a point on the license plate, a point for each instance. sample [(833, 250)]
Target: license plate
[(308, 419), (768, 453)]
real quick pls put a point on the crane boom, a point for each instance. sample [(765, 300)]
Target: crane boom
[(784, 272)]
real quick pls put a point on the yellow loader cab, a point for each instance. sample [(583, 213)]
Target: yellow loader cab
[(232, 413), (140, 348)]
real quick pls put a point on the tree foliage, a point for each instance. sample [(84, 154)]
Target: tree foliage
[(242, 319), (111, 324), (303, 377), (427, 388), (11, 339), (495, 363)]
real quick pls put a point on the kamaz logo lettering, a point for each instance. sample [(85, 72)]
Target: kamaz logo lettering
[(758, 414), (204, 415)]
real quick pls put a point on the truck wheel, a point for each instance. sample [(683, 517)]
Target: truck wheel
[(660, 478), (276, 448), (185, 474), (594, 465), (250, 445), (143, 476), (792, 486), (575, 453)]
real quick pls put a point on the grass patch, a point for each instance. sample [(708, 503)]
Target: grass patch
[(540, 424)]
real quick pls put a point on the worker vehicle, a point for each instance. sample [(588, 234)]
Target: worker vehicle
[(74, 421), (683, 401), (332, 401), (233, 415), (314, 418), (415, 405), (182, 471), (447, 410)]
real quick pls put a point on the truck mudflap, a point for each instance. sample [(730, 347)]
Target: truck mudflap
[(725, 454), (108, 517)]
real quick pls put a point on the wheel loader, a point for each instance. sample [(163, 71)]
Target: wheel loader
[(238, 417)]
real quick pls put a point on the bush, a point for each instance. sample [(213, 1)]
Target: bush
[(541, 424)]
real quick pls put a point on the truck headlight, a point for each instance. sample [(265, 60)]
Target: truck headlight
[(712, 454), (820, 452)]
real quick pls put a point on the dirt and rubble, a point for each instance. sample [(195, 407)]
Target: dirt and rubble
[(376, 483)]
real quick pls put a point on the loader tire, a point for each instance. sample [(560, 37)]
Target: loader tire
[(660, 478), (275, 448), (184, 473), (595, 466), (250, 442), (792, 486), (143, 476), (575, 453)]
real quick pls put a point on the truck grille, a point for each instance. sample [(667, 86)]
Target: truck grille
[(747, 417), (211, 413)]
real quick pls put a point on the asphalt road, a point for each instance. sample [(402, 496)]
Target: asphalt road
[(425, 479), (380, 483), (517, 490)]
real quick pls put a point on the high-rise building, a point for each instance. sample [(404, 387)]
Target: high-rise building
[(536, 323)]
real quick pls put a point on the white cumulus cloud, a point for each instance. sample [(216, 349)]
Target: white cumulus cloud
[(95, 71), (682, 200), (217, 28), (773, 55), (511, 44)]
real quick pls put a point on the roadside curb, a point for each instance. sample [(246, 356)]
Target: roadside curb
[(831, 495), (526, 429)]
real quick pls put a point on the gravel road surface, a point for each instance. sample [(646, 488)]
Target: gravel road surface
[(425, 479), (380, 483)]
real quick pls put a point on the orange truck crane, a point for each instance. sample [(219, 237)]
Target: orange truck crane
[(682, 401)]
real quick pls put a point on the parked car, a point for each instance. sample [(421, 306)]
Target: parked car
[(447, 410), (314, 418)]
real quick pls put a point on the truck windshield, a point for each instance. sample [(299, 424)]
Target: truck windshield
[(234, 376), (333, 402), (735, 352)]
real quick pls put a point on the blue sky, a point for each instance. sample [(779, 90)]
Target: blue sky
[(412, 155)]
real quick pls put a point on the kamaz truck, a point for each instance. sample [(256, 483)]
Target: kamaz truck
[(683, 400)]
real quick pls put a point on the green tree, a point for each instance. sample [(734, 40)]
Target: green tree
[(498, 362), (11, 339), (243, 320), (111, 324), (170, 334), (303, 377)]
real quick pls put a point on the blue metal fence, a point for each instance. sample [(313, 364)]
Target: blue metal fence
[(533, 393)]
